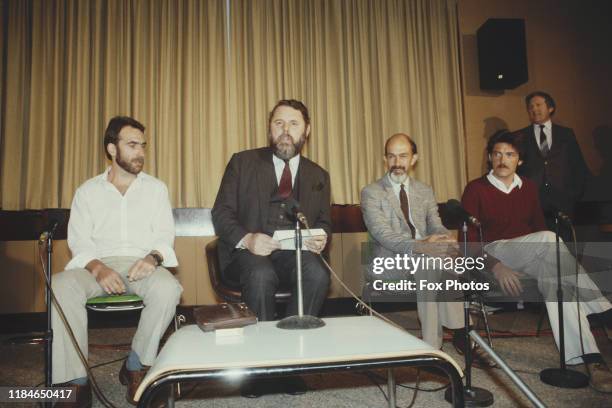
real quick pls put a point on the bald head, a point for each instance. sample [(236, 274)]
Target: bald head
[(400, 156), (400, 138)]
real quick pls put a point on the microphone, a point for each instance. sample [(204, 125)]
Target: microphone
[(454, 207), (49, 232), (558, 214), (294, 207)]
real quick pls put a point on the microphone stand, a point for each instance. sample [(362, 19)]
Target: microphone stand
[(45, 338), (473, 396), (49, 332), (562, 377), (301, 321)]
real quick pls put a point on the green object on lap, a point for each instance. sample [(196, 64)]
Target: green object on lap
[(115, 303)]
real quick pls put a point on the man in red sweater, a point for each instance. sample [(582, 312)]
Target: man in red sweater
[(518, 245)]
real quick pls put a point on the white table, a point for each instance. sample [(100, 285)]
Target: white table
[(344, 343)]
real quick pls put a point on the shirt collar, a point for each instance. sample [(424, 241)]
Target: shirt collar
[(103, 178), (517, 182), (397, 186), (547, 125), (293, 162)]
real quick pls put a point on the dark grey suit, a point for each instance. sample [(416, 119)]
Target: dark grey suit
[(391, 234), (242, 206), (560, 176)]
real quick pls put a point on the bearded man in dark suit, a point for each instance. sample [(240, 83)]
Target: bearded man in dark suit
[(552, 159), (251, 205)]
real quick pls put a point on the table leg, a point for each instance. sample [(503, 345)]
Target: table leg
[(391, 387), (171, 396)]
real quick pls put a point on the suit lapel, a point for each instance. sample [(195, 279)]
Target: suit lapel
[(392, 198), (556, 140), (265, 173), (532, 143), (305, 183)]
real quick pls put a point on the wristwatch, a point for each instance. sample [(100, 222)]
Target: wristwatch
[(158, 258)]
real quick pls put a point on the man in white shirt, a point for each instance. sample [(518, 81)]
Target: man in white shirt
[(121, 235)]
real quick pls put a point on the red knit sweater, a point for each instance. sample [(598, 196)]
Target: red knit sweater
[(503, 216)]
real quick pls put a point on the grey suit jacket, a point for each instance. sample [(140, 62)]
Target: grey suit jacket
[(386, 223)]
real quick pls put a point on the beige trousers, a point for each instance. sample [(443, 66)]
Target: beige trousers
[(160, 292), (535, 255), (435, 314)]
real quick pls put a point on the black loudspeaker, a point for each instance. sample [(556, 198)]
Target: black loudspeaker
[(502, 53)]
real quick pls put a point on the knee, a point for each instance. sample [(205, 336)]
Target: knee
[(315, 272), (546, 236), (165, 287), (64, 286), (260, 275)]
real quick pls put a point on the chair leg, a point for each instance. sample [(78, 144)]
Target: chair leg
[(541, 321), (179, 319), (485, 319), (486, 322)]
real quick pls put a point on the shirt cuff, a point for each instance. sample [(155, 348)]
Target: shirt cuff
[(167, 252)]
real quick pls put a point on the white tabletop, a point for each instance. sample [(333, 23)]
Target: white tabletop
[(264, 345)]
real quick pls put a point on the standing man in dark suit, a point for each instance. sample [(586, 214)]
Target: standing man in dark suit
[(250, 206), (552, 159)]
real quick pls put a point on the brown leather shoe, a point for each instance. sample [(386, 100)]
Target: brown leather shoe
[(82, 392), (480, 359), (600, 377), (132, 379)]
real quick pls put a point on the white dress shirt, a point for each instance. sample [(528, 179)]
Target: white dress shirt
[(547, 132), (501, 186), (396, 189), (279, 166), (103, 222)]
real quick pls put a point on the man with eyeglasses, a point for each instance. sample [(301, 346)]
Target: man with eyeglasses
[(518, 245)]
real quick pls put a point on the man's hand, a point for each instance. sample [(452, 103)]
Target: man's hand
[(142, 268), (508, 279), (315, 244), (260, 244), (107, 278), (439, 245)]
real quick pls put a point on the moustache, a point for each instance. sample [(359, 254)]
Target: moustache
[(502, 166), (393, 168)]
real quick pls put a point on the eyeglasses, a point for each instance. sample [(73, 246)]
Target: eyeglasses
[(509, 155)]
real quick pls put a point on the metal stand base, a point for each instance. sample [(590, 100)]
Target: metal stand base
[(564, 378), (300, 322), (474, 397)]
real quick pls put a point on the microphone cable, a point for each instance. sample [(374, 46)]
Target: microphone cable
[(99, 394)]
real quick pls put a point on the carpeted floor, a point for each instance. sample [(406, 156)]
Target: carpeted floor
[(23, 365)]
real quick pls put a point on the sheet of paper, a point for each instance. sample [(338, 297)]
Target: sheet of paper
[(287, 237)]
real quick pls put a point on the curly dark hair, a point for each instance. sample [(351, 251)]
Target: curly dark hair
[(111, 134)]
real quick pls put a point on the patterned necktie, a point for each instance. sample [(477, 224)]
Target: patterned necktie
[(406, 209), (544, 148), (284, 187)]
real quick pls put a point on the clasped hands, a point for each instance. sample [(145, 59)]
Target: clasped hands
[(439, 245), (261, 244), (111, 281)]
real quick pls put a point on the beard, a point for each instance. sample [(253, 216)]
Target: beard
[(398, 177), (284, 147), (133, 166)]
